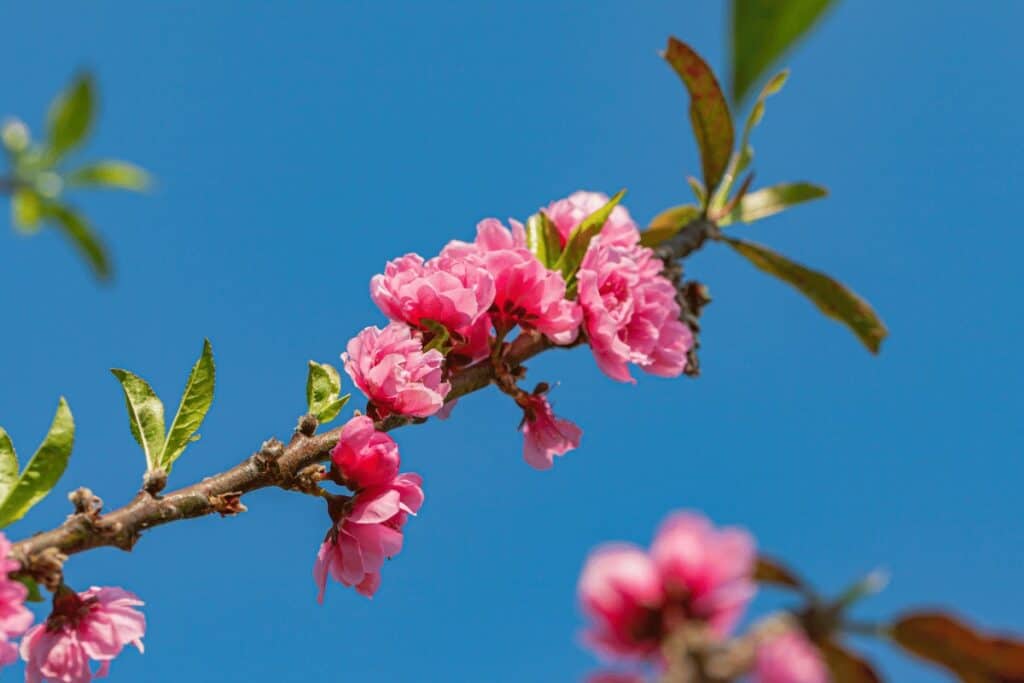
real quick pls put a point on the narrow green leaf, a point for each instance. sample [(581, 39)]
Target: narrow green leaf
[(831, 297), (576, 246), (709, 112), (667, 223), (8, 464), (44, 468), (70, 116), (120, 175), (195, 403), (323, 384), (700, 193), (82, 236), (769, 201), (542, 239), (26, 209), (145, 415), (34, 595), (762, 31), (331, 410), (440, 336)]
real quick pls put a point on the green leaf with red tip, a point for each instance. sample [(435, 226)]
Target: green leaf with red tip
[(974, 657), (709, 111), (832, 298), (668, 223), (770, 571)]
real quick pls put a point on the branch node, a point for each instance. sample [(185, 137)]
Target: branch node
[(228, 504), (307, 425), (85, 502), (154, 481)]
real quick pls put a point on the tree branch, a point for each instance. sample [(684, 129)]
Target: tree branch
[(270, 466)]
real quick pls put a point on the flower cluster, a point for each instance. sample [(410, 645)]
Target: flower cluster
[(694, 575), (368, 526), (460, 307), (14, 617)]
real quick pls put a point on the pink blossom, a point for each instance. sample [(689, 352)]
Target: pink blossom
[(14, 617), (789, 658), (395, 373), (453, 292), (354, 552), (567, 213), (94, 625), (630, 312), (364, 456), (544, 435), (620, 590), (614, 677), (525, 292), (706, 572)]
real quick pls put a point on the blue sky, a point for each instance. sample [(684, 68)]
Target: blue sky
[(298, 146)]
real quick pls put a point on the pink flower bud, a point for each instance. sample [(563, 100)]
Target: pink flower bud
[(395, 373), (364, 456)]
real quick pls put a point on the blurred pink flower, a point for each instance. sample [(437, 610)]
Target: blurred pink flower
[(364, 456), (354, 553), (630, 312), (567, 213), (95, 625), (614, 677), (14, 616), (789, 658), (544, 435), (620, 590), (707, 573), (395, 373)]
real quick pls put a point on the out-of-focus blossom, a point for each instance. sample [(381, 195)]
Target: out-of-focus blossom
[(14, 616), (789, 658)]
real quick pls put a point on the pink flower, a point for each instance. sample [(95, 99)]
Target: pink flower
[(451, 291), (620, 590), (630, 312), (789, 658), (395, 373), (525, 292), (14, 617), (567, 213), (614, 677), (94, 625), (707, 574), (544, 435), (354, 552), (364, 456)]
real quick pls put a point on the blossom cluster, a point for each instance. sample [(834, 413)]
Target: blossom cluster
[(367, 526), (459, 308), (693, 575), (91, 626)]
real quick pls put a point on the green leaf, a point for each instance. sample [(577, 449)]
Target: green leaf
[(709, 112), (26, 209), (87, 242), (576, 246), (973, 656), (542, 239), (119, 175), (331, 410), (772, 572), (698, 189), (769, 201), (762, 31), (34, 595), (667, 223), (70, 116), (145, 415), (832, 298), (323, 384), (8, 464), (44, 468), (846, 666), (195, 403), (440, 336)]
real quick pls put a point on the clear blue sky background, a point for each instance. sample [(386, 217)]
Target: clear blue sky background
[(298, 146)]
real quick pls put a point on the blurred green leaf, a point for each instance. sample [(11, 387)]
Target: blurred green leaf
[(769, 201), (34, 595), (26, 209), (762, 31), (82, 236), (8, 464), (120, 175), (831, 298), (700, 193), (846, 666), (195, 403), (44, 468), (709, 112), (70, 116), (145, 415), (945, 640), (542, 239), (576, 246), (668, 223), (323, 384), (772, 572)]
